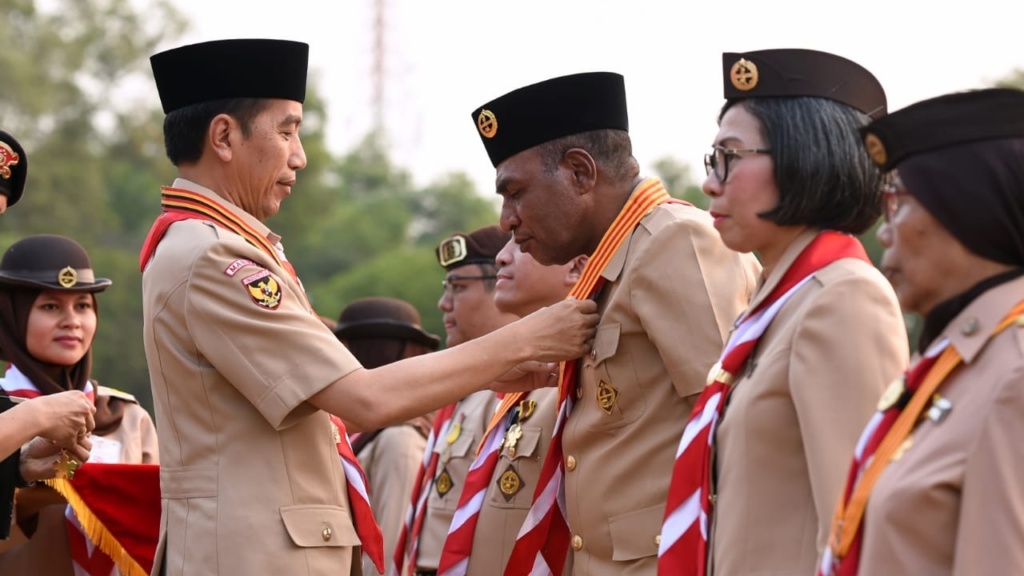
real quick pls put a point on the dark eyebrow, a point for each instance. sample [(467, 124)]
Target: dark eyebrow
[(501, 186), (291, 120)]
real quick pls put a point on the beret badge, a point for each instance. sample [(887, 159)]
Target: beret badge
[(744, 75), (8, 158), (487, 123)]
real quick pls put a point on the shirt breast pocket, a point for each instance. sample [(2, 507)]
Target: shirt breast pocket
[(518, 471), (453, 461), (609, 381)]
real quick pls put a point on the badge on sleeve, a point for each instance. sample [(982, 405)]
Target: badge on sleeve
[(264, 289)]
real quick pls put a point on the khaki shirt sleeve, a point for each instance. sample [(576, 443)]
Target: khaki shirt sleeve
[(277, 357), (849, 344), (687, 290), (991, 526)]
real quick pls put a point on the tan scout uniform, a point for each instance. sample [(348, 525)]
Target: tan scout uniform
[(251, 479), (783, 447), (391, 461), (673, 292), (455, 454), (503, 514), (951, 503)]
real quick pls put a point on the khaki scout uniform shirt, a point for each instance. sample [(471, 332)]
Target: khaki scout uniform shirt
[(673, 292), (455, 455), (251, 479), (793, 416), (953, 502)]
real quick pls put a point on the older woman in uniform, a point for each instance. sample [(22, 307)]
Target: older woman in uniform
[(763, 457), (935, 486), (48, 318)]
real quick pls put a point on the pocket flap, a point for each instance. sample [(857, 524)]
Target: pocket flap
[(606, 342), (634, 534), (312, 526), (459, 448)]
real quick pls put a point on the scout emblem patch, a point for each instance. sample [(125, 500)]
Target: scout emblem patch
[(444, 483), (8, 158), (607, 395), (264, 289), (487, 123), (510, 483), (743, 75)]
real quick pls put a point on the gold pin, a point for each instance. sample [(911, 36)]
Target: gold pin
[(526, 409), (902, 449)]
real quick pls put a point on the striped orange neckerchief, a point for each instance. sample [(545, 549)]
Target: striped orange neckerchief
[(649, 194), (847, 520)]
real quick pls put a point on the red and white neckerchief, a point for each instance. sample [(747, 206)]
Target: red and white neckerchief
[(684, 532), (543, 541), (86, 558), (459, 543), (899, 410), (408, 541), (362, 514)]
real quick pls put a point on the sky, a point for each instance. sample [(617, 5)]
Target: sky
[(443, 58)]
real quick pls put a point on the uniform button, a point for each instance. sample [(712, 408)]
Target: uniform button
[(969, 327), (570, 463), (657, 540), (579, 392), (577, 542), (593, 352), (1020, 320), (327, 533)]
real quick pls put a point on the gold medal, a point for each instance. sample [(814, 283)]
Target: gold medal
[(515, 432), (891, 395), (65, 466)]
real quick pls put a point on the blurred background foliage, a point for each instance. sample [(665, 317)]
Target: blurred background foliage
[(76, 94)]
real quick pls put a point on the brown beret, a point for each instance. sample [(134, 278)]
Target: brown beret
[(478, 247)]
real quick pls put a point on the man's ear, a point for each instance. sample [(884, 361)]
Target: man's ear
[(219, 136), (582, 167), (576, 267)]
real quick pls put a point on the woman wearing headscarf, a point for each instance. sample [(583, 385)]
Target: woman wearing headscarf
[(935, 486), (48, 318), (764, 455)]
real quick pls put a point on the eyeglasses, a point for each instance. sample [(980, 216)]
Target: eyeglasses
[(718, 160), (451, 283), (892, 201)]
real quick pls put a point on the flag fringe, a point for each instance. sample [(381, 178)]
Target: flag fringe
[(96, 531)]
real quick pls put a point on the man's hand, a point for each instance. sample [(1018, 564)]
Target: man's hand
[(39, 455), (527, 376), (562, 331)]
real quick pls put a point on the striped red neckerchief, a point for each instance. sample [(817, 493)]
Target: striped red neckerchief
[(899, 410), (407, 547), (543, 541), (684, 540)]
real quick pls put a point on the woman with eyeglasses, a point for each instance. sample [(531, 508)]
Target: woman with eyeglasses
[(935, 486), (765, 453)]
